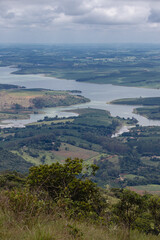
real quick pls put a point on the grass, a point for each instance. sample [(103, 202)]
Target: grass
[(150, 188), (60, 228), (65, 151), (47, 156), (21, 103), (44, 98), (68, 150), (132, 176), (147, 161)]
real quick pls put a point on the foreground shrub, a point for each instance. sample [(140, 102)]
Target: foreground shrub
[(67, 186), (25, 204)]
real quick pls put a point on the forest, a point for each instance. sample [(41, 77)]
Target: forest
[(132, 159)]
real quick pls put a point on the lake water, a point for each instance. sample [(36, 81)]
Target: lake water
[(99, 94)]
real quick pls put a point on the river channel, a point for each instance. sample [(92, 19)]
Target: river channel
[(99, 94)]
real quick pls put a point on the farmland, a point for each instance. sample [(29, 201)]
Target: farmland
[(129, 160), (151, 188), (104, 64)]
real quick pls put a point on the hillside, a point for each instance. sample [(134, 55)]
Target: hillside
[(56, 202), (20, 102)]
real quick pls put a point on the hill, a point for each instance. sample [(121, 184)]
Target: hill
[(20, 102), (68, 205)]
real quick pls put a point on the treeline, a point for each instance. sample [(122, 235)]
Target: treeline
[(149, 112), (11, 161), (9, 86), (149, 101), (53, 101)]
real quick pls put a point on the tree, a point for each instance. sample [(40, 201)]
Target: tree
[(129, 208), (154, 208), (67, 182)]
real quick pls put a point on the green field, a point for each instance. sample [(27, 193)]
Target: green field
[(150, 188), (37, 157), (132, 176)]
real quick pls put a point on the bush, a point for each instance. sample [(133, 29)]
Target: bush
[(66, 185), (25, 204)]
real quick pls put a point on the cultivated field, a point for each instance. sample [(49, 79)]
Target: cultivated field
[(150, 188), (70, 151)]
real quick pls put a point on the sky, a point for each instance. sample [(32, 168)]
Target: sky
[(79, 21)]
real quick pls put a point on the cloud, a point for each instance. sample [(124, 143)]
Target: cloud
[(90, 15), (115, 15), (45, 13), (154, 16)]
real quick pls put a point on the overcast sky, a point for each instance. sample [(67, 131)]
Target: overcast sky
[(79, 21)]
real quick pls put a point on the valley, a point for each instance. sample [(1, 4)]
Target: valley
[(79, 140), (61, 123)]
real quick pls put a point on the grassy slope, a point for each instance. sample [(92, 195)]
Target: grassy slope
[(60, 228), (21, 102), (65, 151), (25, 98)]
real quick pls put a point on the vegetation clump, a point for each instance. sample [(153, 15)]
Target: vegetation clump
[(67, 185), (63, 195)]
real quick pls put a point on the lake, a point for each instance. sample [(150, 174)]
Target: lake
[(99, 94)]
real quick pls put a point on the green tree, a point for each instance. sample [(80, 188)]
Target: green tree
[(67, 182), (154, 208), (129, 208)]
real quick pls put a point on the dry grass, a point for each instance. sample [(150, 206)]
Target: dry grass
[(51, 228), (55, 226), (68, 150), (7, 99)]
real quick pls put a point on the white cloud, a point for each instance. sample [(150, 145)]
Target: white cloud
[(48, 15), (116, 15), (16, 12)]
